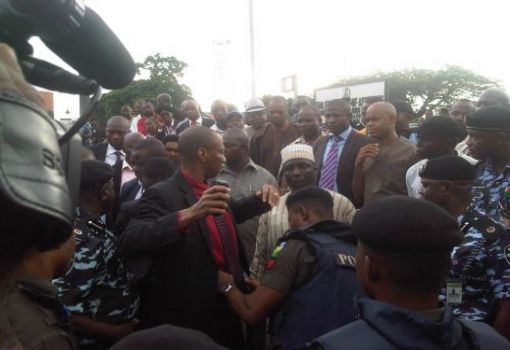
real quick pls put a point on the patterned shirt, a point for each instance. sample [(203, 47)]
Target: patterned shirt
[(488, 189), (482, 264), (97, 285), (274, 224)]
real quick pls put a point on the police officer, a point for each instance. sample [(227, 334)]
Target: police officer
[(97, 289), (36, 317), (489, 141), (402, 259), (310, 280), (478, 287)]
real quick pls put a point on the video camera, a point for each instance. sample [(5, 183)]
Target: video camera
[(39, 159)]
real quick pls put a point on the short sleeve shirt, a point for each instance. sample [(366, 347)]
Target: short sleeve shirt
[(483, 265), (291, 266), (488, 189)]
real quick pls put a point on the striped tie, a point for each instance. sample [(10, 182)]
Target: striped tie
[(329, 168), (230, 252)]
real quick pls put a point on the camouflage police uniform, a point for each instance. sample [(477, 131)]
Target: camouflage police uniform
[(98, 285), (36, 317), (481, 265), (488, 189)]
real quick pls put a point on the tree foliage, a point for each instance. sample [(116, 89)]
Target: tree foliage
[(164, 74), (429, 89)]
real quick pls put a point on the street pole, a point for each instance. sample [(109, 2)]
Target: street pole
[(252, 51)]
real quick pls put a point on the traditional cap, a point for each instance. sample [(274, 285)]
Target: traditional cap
[(401, 226), (443, 127), (255, 105), (489, 119), (448, 168), (296, 151), (94, 172)]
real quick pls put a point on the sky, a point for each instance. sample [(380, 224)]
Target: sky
[(320, 41)]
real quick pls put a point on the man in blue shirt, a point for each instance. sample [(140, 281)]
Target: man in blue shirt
[(489, 140)]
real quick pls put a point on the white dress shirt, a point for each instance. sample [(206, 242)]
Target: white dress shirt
[(111, 157)]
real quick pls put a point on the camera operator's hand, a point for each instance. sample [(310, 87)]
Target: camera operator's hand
[(11, 77), (214, 201)]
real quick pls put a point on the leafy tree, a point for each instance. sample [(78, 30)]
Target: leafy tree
[(429, 89), (164, 73)]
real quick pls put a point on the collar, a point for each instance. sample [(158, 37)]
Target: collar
[(125, 165), (250, 164), (344, 134), (199, 121), (38, 286), (194, 183), (111, 150)]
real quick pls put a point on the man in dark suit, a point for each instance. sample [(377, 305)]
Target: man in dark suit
[(188, 230), (116, 128), (111, 153), (191, 111), (335, 153), (144, 151)]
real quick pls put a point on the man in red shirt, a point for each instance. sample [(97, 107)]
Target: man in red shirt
[(188, 229)]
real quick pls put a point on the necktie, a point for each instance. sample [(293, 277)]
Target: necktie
[(194, 123), (229, 251), (330, 166), (117, 177)]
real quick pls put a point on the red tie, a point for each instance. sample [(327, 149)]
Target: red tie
[(194, 123)]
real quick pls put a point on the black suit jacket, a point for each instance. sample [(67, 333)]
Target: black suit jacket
[(129, 190), (183, 274), (345, 171), (186, 124), (99, 151)]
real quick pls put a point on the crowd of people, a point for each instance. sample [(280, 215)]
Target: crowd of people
[(271, 229)]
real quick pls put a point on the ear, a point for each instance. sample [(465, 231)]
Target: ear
[(371, 268), (302, 212), (202, 154), (102, 195), (447, 188)]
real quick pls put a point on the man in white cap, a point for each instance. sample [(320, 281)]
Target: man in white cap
[(299, 170), (255, 116)]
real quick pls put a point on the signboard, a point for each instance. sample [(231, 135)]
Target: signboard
[(356, 94), (289, 84)]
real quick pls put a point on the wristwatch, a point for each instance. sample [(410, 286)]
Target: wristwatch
[(226, 288)]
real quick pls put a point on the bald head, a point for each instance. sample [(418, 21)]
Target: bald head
[(237, 135), (191, 109), (164, 100), (131, 140), (492, 98), (116, 128), (193, 139), (380, 120)]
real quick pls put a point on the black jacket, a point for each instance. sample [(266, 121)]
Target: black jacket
[(345, 171), (129, 190), (183, 275), (388, 327), (99, 150), (186, 124)]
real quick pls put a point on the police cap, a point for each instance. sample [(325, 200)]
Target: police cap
[(448, 168), (401, 226), (94, 172), (489, 119)]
